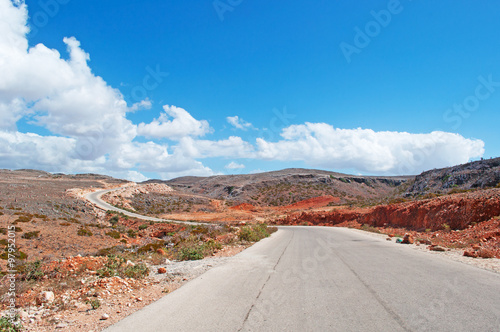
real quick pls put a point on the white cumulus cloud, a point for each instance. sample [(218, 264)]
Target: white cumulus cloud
[(174, 123), (234, 165), (89, 131), (238, 123), (385, 152)]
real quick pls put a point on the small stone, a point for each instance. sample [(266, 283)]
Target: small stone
[(45, 297), (104, 316), (129, 263), (160, 251), (23, 314), (162, 270), (138, 299), (168, 261), (61, 326), (471, 253), (437, 248), (389, 239)]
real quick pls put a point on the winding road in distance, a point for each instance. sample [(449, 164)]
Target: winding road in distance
[(95, 198), (328, 279)]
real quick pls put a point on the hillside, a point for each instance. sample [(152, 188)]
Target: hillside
[(480, 174), (288, 186)]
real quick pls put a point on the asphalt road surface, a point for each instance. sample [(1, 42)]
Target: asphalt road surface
[(328, 279), (95, 198)]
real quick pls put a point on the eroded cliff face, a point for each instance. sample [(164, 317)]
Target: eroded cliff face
[(452, 211)]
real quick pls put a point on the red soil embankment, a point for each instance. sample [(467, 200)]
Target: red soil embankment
[(243, 207), (455, 211), (314, 202)]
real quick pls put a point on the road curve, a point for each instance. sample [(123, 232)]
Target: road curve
[(328, 279), (95, 198)]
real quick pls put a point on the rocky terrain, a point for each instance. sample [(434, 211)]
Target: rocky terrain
[(81, 268), (468, 219), (281, 188), (480, 174)]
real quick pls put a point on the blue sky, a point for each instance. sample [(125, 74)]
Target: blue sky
[(366, 87)]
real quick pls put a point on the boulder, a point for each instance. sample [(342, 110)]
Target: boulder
[(162, 270), (471, 253), (408, 239), (45, 297)]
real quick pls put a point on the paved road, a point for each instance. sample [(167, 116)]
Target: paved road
[(328, 279), (95, 198)]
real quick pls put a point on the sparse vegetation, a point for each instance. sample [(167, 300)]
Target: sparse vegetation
[(30, 235), (8, 325), (84, 232), (115, 266), (143, 226), (31, 270), (369, 228), (137, 271), (95, 303), (114, 234), (114, 220), (254, 233)]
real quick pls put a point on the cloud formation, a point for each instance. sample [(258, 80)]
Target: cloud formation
[(386, 152), (182, 124), (238, 123), (234, 165), (89, 130)]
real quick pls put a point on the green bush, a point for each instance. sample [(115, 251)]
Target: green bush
[(17, 254), (254, 233), (84, 232), (7, 325), (114, 234), (114, 220), (131, 233), (191, 253), (30, 235), (94, 303), (143, 226), (32, 270), (151, 247), (137, 271), (115, 267), (111, 267), (24, 218)]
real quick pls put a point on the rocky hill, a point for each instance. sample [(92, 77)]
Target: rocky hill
[(480, 174), (288, 186)]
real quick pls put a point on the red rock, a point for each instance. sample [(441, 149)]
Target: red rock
[(160, 251), (470, 253), (162, 270), (408, 239)]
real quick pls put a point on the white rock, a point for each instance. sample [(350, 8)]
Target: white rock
[(104, 316), (46, 297)]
